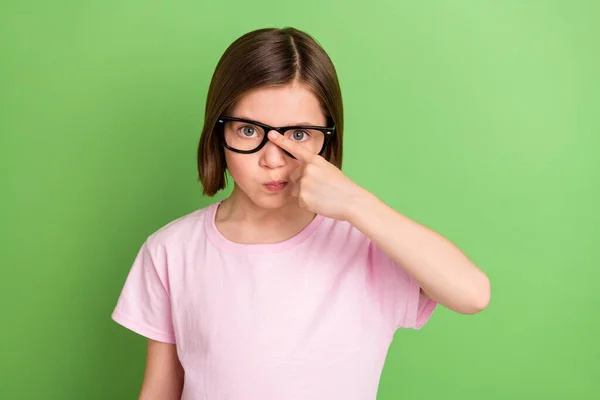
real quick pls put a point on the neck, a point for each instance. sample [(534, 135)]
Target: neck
[(241, 220)]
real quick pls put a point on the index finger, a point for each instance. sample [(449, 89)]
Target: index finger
[(301, 153)]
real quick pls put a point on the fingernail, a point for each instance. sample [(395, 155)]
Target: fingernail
[(272, 135)]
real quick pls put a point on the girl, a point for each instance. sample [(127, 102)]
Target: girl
[(292, 287)]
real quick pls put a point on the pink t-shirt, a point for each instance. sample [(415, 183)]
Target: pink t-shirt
[(308, 318)]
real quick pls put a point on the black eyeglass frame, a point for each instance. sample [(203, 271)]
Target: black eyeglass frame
[(327, 132)]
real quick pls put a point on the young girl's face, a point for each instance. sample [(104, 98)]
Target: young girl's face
[(264, 176)]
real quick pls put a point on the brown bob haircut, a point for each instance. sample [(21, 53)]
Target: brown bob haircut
[(261, 58)]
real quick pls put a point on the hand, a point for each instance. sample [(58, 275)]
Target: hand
[(319, 186)]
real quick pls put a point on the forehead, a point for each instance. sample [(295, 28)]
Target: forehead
[(291, 104)]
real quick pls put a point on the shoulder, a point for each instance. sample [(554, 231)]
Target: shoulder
[(341, 234), (343, 239), (180, 233)]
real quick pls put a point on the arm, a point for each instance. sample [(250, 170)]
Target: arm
[(163, 378), (444, 273)]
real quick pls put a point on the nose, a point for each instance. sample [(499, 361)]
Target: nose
[(272, 156)]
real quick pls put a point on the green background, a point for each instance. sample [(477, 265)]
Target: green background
[(476, 118)]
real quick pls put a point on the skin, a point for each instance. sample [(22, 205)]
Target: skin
[(443, 271), (252, 215), (163, 377)]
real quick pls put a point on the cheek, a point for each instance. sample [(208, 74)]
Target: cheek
[(295, 163), (239, 166)]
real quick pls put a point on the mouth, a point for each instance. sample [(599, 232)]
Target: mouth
[(275, 186)]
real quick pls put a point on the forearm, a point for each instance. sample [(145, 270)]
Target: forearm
[(443, 271)]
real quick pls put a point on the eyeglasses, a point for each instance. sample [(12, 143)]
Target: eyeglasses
[(247, 136)]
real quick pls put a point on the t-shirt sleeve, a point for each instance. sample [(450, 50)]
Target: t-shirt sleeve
[(144, 305), (400, 297)]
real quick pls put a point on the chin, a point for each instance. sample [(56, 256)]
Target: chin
[(270, 202)]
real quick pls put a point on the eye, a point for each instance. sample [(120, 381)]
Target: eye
[(247, 131), (300, 136)]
